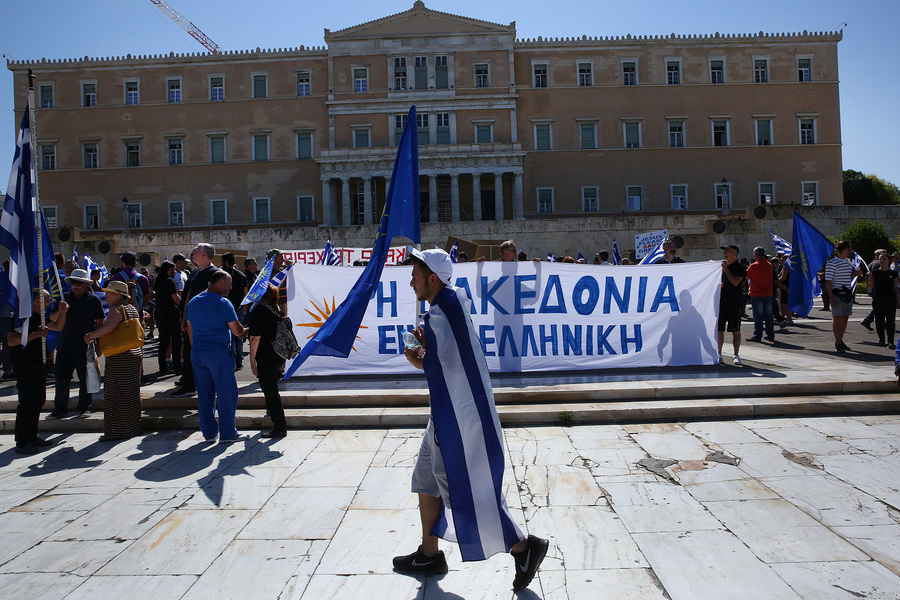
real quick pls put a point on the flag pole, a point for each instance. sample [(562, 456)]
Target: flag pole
[(37, 208)]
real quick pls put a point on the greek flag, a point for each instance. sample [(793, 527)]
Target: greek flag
[(855, 260), (261, 283), (466, 422), (330, 257), (17, 230), (781, 244), (454, 250), (617, 258), (75, 255), (90, 265), (551, 258), (654, 254), (580, 257)]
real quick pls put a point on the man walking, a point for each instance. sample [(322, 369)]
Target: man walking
[(211, 321), (461, 456), (201, 256), (759, 276), (730, 301), (838, 275)]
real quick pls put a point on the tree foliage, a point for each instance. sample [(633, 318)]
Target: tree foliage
[(868, 189), (867, 237)]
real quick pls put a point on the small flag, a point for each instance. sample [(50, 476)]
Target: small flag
[(580, 257), (90, 266), (454, 251), (75, 255), (617, 258), (781, 244), (551, 258), (654, 254), (261, 284), (330, 257)]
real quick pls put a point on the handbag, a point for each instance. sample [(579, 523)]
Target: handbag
[(127, 335), (92, 377)]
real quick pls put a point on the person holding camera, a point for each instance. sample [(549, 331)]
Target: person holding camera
[(839, 272)]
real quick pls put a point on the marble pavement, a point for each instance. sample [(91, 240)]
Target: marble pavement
[(783, 508)]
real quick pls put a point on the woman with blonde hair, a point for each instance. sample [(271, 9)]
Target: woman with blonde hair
[(122, 377)]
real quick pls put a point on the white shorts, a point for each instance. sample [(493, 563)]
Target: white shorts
[(429, 475)]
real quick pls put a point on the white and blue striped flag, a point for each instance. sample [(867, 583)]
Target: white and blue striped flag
[(331, 256), (617, 258), (75, 255), (551, 258), (17, 229), (454, 251), (654, 254), (781, 244), (90, 265)]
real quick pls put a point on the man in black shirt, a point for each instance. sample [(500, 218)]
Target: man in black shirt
[(84, 315), (236, 296), (198, 281), (731, 301), (669, 255)]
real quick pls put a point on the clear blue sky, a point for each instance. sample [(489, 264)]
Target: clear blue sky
[(869, 55)]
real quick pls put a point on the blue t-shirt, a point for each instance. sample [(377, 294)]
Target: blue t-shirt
[(210, 314)]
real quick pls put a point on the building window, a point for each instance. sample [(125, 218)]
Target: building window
[(585, 74), (421, 72), (679, 196), (399, 124), (176, 152), (260, 85), (91, 160), (443, 128), (176, 213), (304, 85), (761, 70), (807, 131), (810, 193), (540, 75), (360, 80), (46, 96), (766, 193), (48, 157), (50, 215), (545, 200), (132, 93), (261, 147), (676, 134), (720, 133), (484, 134), (764, 132), (217, 149), (588, 136), (132, 153), (542, 137), (804, 69), (218, 212), (174, 87), (217, 88), (304, 144), (633, 194), (92, 217), (399, 73), (589, 197), (422, 127), (305, 208), (133, 215), (723, 195), (482, 75), (629, 72), (717, 71), (632, 135), (89, 94), (361, 138), (261, 212), (673, 72), (441, 78)]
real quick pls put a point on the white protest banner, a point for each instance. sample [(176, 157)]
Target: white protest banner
[(645, 242), (531, 316), (348, 255)]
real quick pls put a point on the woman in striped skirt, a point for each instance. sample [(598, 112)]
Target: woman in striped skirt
[(122, 378)]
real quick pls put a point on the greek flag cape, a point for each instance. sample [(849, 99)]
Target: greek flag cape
[(468, 431)]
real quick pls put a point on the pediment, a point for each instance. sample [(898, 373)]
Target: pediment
[(418, 21)]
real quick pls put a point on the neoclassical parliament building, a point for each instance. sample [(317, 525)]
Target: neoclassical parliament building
[(508, 128)]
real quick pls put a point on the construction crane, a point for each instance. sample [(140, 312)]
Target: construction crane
[(192, 29)]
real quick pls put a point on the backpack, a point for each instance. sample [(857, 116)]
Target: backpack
[(138, 292), (285, 344)]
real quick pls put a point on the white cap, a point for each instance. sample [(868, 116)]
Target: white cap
[(437, 260)]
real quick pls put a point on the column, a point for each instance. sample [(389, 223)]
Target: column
[(476, 196), (454, 197), (327, 217), (345, 202), (498, 196), (518, 201), (367, 199), (432, 199)]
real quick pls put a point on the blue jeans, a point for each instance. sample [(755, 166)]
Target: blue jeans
[(762, 315), (216, 390)]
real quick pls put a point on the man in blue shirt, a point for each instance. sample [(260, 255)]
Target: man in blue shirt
[(211, 321)]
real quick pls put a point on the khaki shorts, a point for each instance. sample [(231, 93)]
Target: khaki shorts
[(429, 475)]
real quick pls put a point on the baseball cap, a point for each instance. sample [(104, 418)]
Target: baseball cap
[(731, 247), (179, 256), (437, 260)]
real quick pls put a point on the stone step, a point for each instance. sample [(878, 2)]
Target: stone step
[(537, 413)]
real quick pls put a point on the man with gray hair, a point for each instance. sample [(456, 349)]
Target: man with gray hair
[(202, 256)]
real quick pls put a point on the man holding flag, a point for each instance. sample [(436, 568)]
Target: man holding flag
[(838, 274)]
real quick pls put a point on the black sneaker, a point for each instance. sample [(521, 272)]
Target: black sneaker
[(184, 391), (40, 442), (866, 325), (417, 562), (27, 449), (528, 561)]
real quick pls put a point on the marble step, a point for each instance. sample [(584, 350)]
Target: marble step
[(539, 413)]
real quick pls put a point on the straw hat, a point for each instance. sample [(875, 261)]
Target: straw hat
[(118, 287)]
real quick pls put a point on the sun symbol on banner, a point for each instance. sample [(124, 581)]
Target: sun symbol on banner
[(319, 316)]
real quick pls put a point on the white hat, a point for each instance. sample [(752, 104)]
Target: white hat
[(437, 260), (80, 275)]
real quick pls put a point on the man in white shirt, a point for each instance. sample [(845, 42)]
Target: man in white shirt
[(838, 275)]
